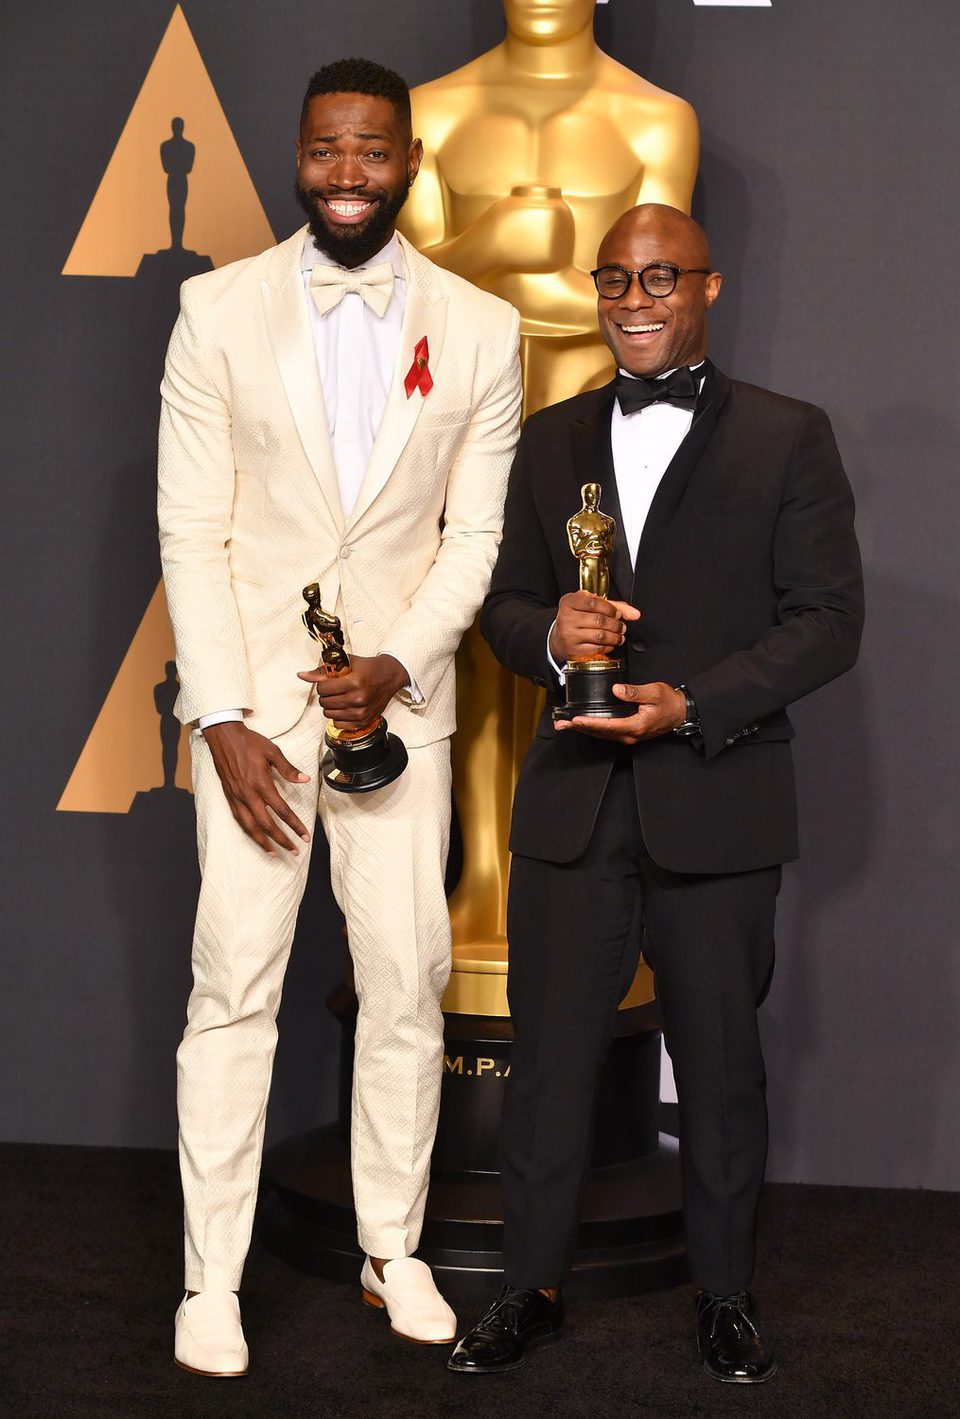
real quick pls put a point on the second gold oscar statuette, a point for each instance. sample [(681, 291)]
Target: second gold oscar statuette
[(589, 680)]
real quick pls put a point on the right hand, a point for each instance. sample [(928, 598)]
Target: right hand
[(246, 763), (526, 234), (589, 625)]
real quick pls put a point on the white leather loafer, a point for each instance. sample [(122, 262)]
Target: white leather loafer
[(209, 1337), (416, 1308)]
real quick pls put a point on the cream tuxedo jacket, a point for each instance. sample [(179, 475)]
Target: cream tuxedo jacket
[(249, 506)]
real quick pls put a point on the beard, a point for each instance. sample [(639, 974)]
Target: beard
[(352, 246)]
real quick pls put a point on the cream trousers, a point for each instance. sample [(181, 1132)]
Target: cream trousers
[(387, 854)]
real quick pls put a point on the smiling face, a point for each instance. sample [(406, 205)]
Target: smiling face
[(355, 163), (651, 334)]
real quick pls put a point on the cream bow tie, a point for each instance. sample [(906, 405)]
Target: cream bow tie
[(329, 285)]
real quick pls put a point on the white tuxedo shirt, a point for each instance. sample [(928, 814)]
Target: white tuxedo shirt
[(644, 445), (356, 356)]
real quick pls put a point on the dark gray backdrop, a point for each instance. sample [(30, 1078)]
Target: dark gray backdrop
[(828, 184)]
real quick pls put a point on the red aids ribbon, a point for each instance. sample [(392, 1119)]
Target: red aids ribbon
[(419, 376)]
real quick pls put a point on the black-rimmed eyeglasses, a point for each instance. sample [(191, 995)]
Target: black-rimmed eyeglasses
[(658, 279)]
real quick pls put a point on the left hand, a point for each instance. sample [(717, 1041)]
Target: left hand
[(660, 708), (360, 696)]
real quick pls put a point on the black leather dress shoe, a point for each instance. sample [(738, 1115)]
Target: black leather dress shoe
[(730, 1341), (499, 1341)]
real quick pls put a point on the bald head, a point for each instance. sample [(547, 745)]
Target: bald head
[(651, 334), (668, 224)]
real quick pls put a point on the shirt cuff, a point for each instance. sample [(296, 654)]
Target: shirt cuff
[(218, 717), (553, 664), (411, 690)]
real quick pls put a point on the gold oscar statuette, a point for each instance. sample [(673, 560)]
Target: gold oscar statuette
[(589, 680), (532, 151), (364, 758)]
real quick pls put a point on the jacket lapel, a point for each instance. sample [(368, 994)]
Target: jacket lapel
[(291, 338), (424, 314), (674, 482), (593, 463)]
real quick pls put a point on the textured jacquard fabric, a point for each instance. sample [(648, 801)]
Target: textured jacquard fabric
[(249, 504), (387, 853)]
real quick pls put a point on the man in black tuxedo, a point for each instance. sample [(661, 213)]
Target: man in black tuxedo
[(735, 589)]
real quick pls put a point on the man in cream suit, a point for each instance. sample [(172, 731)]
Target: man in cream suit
[(336, 410)]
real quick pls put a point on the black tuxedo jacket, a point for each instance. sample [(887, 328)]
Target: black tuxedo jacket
[(749, 582)]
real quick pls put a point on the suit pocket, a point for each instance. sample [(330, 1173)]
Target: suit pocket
[(251, 583), (442, 418), (744, 502)]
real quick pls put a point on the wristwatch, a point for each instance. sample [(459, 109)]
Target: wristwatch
[(691, 722)]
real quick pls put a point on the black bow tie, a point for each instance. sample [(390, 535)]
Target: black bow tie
[(680, 387)]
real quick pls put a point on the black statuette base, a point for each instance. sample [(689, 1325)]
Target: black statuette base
[(590, 691), (361, 765)]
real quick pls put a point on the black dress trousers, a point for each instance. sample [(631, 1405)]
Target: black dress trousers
[(575, 933)]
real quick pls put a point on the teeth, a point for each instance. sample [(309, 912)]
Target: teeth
[(641, 329), (347, 209)]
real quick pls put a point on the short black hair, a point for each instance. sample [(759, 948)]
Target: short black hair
[(360, 76)]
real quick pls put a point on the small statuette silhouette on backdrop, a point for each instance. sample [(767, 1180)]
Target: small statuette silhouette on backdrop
[(177, 156), (164, 698), (176, 262)]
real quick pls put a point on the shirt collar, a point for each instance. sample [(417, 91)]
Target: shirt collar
[(312, 256)]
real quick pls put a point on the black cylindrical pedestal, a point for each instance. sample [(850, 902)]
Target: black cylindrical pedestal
[(631, 1236), (589, 690)]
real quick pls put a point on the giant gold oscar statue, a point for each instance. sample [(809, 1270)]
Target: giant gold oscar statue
[(531, 152)]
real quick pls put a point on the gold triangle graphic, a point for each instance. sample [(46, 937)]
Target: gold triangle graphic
[(123, 753), (130, 215), (131, 218)]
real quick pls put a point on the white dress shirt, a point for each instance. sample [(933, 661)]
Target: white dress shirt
[(357, 353), (644, 445)]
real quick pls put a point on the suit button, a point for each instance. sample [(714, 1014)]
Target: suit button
[(637, 645), (344, 553)]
